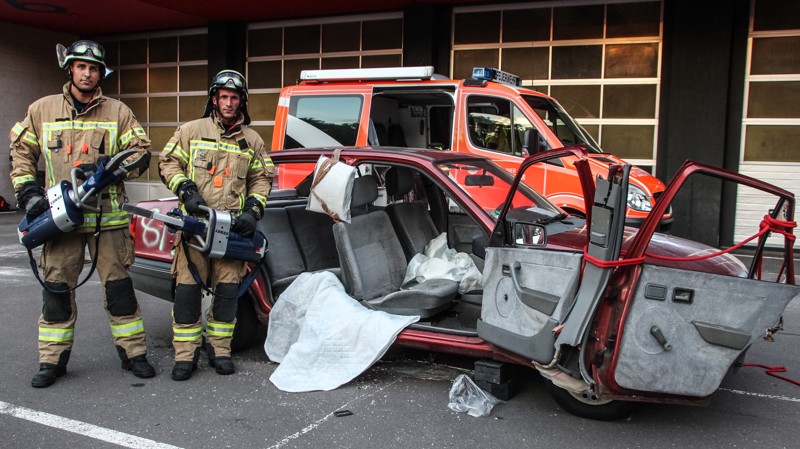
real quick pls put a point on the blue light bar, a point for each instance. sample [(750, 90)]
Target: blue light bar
[(492, 74)]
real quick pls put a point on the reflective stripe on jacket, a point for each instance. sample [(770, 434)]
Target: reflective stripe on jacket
[(55, 131), (227, 166)]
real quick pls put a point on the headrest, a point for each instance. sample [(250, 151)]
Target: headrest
[(399, 181), (365, 191)]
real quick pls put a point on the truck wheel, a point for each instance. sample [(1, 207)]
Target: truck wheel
[(244, 334), (589, 406)]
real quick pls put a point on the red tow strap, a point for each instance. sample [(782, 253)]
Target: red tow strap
[(768, 224), (771, 370)]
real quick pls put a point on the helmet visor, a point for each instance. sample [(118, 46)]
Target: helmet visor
[(230, 80), (87, 48)]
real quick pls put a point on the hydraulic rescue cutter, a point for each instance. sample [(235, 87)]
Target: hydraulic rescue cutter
[(67, 203), (215, 235)]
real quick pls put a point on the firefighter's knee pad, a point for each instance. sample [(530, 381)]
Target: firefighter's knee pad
[(120, 297), (225, 300), (56, 307), (187, 304)]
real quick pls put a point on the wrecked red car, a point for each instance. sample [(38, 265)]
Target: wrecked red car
[(607, 314)]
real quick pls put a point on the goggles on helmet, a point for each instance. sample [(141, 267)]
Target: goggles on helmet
[(87, 48), (83, 50), (229, 79)]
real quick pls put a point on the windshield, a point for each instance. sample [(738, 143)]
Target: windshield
[(488, 185), (568, 131)]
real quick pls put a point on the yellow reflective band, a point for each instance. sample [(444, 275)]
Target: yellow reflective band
[(191, 334), (19, 180), (79, 125), (128, 136), (30, 138), (220, 329), (17, 129), (176, 181), (108, 219), (126, 330), (57, 335), (173, 147)]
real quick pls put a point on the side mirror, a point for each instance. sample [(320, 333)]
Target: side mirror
[(529, 234), (530, 141), (479, 180)]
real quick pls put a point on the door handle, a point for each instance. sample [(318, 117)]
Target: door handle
[(541, 301)]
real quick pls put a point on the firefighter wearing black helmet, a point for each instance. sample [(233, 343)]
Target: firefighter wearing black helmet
[(219, 162), (81, 127)]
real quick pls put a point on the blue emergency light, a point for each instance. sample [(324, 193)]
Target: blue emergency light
[(492, 74)]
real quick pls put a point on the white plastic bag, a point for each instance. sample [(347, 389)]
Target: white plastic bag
[(466, 396), (332, 188)]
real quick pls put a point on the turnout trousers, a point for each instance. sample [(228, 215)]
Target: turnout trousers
[(223, 277), (61, 262)]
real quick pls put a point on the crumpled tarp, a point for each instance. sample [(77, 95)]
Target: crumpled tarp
[(440, 262), (322, 337)]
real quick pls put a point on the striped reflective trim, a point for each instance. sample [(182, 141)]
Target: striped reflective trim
[(176, 181), (27, 136), (220, 329), (108, 219), (261, 199), (19, 180), (173, 147), (17, 129), (128, 329), (57, 335), (258, 164), (79, 125), (128, 136), (190, 334)]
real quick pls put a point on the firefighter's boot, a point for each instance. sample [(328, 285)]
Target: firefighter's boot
[(183, 370), (47, 375), (139, 366)]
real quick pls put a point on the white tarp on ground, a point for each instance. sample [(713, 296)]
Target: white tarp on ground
[(322, 337), (441, 262)]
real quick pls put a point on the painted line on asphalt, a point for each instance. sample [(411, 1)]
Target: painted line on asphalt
[(761, 395), (320, 421), (81, 428)]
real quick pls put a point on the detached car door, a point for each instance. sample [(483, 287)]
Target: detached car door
[(679, 330), (530, 289)]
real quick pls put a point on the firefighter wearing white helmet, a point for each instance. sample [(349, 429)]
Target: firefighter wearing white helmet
[(219, 162), (80, 127)]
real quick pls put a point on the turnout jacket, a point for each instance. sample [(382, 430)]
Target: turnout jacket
[(228, 166), (54, 130)]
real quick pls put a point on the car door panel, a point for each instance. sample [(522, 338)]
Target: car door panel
[(705, 322), (527, 292)]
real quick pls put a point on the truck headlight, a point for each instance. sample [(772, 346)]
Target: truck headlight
[(637, 199)]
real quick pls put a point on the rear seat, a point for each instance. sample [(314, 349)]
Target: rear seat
[(299, 241)]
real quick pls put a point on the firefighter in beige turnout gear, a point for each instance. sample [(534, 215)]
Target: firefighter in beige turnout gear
[(81, 128), (219, 162)]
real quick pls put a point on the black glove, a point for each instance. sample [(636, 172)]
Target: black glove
[(190, 197), (89, 169), (31, 197), (245, 224), (252, 212)]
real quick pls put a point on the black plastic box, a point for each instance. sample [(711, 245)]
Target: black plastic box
[(492, 371), (503, 391)]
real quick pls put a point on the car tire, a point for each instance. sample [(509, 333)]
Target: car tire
[(247, 324), (589, 407)]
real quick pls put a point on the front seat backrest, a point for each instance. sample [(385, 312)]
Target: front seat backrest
[(412, 222)]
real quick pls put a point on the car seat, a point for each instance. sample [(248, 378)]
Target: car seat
[(373, 264)]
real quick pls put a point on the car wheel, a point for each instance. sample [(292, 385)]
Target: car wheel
[(589, 406), (246, 330)]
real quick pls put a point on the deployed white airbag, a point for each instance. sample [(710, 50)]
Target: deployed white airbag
[(441, 262), (322, 337)]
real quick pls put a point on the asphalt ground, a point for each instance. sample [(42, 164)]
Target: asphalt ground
[(401, 402)]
